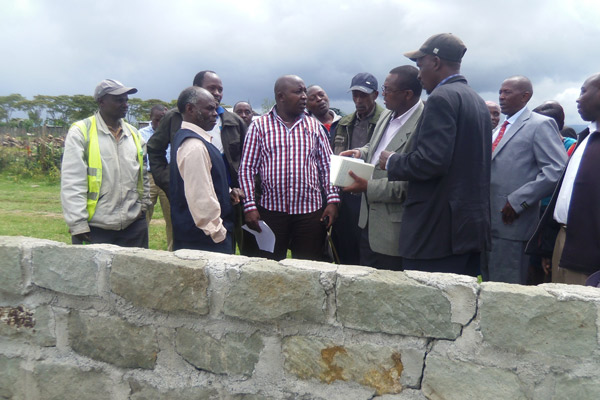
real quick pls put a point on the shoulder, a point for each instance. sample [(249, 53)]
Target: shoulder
[(347, 119), (230, 118), (378, 111)]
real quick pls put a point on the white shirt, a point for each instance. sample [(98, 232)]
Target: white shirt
[(215, 133), (393, 127), (561, 210), (511, 121)]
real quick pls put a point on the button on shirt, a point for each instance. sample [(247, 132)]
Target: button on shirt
[(561, 210), (293, 164), (393, 127)]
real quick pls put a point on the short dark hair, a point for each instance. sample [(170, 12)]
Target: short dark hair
[(409, 75), (199, 78), (189, 95), (554, 110), (157, 108)]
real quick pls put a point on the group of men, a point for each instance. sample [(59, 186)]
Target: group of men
[(450, 192)]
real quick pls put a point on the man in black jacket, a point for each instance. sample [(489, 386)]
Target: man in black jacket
[(446, 222)]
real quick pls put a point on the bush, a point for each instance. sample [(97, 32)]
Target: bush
[(42, 160)]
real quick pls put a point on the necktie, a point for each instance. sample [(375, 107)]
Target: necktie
[(500, 134)]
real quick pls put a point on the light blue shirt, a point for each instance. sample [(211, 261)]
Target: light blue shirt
[(146, 134)]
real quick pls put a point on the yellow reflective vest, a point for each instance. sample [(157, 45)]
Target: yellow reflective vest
[(94, 169)]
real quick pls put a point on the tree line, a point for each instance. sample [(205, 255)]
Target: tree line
[(63, 110)]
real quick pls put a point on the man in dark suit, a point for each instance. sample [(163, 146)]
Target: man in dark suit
[(446, 221), (527, 159), (573, 210)]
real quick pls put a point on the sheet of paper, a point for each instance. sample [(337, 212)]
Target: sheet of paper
[(340, 166), (264, 239)]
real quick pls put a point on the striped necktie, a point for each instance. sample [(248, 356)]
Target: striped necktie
[(500, 134)]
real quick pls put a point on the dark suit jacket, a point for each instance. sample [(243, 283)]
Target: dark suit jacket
[(232, 137), (447, 208)]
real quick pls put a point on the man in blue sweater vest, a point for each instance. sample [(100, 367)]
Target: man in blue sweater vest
[(201, 204)]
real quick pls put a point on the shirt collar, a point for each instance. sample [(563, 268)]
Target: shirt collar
[(515, 116), (368, 116), (196, 129), (104, 127), (593, 126), (220, 110), (404, 117)]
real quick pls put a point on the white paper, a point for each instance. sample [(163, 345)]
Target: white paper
[(264, 239), (340, 166)]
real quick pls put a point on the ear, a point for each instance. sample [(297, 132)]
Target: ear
[(375, 94), (437, 63)]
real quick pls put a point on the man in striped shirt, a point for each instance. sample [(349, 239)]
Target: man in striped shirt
[(290, 152)]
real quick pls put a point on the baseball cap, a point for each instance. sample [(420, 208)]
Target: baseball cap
[(444, 45), (110, 86), (365, 82)]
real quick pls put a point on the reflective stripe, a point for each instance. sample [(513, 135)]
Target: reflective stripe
[(94, 170)]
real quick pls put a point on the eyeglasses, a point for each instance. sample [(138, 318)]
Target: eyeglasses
[(388, 90)]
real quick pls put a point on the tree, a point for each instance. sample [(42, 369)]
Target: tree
[(10, 103), (267, 104)]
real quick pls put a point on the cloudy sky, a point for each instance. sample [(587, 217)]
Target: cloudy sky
[(68, 46)]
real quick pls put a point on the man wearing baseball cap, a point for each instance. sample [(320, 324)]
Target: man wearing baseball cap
[(354, 131), (104, 181), (446, 221)]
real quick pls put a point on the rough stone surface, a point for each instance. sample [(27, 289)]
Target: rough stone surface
[(10, 265), (386, 301), (370, 365), (265, 290), (34, 325), (60, 382), (113, 340), (11, 382), (65, 269), (160, 281), (446, 379), (520, 319), (144, 392), (577, 388), (233, 354)]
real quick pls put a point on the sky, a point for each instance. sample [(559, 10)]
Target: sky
[(68, 46)]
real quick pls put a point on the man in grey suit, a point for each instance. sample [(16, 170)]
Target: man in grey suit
[(527, 160), (382, 201)]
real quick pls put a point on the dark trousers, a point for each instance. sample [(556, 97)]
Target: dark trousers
[(464, 264), (135, 235), (346, 233), (304, 234), (226, 246), (369, 258)]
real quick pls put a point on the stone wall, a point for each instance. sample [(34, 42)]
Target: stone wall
[(103, 322)]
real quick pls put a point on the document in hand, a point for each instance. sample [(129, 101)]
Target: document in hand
[(339, 167)]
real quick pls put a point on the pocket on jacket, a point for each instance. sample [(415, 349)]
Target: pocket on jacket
[(470, 226)]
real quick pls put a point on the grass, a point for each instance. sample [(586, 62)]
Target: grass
[(31, 207)]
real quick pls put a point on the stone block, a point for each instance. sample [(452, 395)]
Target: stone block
[(528, 319), (446, 379), (11, 378), (10, 264), (113, 340), (266, 290), (233, 354), (65, 269), (34, 326), (378, 367), (160, 281), (61, 382), (390, 302), (142, 391), (568, 387)]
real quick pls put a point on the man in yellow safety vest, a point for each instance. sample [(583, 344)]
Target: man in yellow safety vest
[(104, 181)]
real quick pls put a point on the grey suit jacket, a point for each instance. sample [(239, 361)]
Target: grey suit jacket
[(382, 205), (526, 165)]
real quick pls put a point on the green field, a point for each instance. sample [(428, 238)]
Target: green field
[(31, 207)]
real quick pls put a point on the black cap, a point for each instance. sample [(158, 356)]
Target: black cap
[(444, 45), (365, 82)]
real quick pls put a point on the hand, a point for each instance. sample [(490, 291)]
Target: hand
[(83, 238), (252, 218), (383, 157), (351, 153), (236, 195), (508, 214), (330, 211), (359, 185), (546, 265)]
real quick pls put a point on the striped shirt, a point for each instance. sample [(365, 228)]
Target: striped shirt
[(293, 165)]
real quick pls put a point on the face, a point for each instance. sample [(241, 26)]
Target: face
[(427, 72), (588, 103), (213, 84), (511, 98), (244, 110), (394, 94), (293, 98), (156, 117), (494, 113), (204, 113), (317, 102), (364, 102), (114, 106)]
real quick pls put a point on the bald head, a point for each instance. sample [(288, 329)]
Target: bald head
[(198, 106), (515, 92), (290, 97), (494, 113)]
